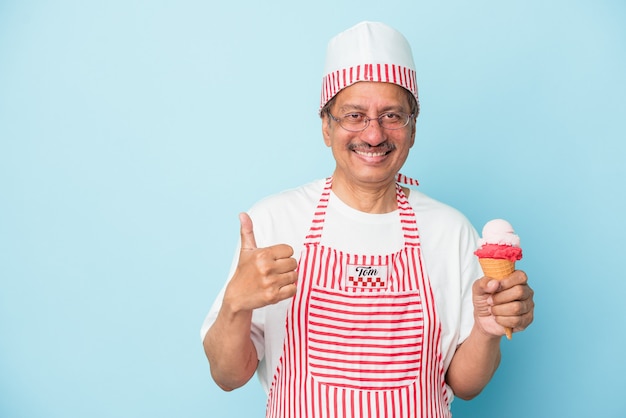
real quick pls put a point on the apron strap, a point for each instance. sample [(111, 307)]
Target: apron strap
[(407, 214), (317, 225), (408, 220), (406, 180)]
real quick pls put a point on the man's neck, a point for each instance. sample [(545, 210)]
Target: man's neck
[(369, 198)]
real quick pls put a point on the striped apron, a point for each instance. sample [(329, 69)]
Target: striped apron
[(362, 335)]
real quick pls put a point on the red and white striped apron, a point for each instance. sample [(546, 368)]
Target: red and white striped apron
[(363, 338)]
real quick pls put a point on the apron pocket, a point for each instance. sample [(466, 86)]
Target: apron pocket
[(365, 340)]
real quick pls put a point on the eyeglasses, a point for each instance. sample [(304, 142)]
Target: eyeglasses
[(357, 122)]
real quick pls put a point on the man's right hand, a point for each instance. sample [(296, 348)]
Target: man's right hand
[(264, 276)]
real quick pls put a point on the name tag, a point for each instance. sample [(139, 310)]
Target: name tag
[(365, 277)]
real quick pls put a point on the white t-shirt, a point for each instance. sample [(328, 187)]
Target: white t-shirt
[(448, 241)]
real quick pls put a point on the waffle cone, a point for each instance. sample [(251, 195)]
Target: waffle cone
[(496, 268)]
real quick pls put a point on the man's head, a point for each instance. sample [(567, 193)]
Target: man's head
[(368, 51), (369, 104)]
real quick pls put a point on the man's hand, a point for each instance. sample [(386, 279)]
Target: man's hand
[(264, 276), (505, 303)]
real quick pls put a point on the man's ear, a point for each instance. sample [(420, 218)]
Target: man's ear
[(413, 130), (326, 129)]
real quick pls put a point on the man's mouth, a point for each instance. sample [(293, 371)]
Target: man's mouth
[(371, 154), (369, 151)]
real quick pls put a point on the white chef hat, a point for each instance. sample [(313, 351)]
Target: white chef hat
[(368, 51)]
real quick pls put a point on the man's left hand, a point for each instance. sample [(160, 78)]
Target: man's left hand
[(500, 304)]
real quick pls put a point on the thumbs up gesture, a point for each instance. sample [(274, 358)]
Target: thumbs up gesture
[(264, 276)]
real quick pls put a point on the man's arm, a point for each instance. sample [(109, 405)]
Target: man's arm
[(263, 276), (497, 304), (230, 350), (474, 364)]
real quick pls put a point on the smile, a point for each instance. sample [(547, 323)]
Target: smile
[(368, 151), (371, 154)]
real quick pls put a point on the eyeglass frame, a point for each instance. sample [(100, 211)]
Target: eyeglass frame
[(368, 120)]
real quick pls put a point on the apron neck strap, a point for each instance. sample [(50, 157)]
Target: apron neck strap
[(401, 178)]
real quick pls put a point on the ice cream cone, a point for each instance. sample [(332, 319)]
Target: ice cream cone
[(498, 269)]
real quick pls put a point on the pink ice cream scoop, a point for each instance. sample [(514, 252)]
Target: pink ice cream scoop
[(499, 241)]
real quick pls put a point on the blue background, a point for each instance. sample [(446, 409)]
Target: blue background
[(133, 132)]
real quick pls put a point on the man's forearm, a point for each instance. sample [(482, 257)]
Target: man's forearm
[(473, 364), (230, 351)]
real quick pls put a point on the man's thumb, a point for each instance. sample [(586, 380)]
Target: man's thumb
[(247, 233), (486, 286)]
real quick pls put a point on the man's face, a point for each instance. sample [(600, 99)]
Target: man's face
[(375, 155)]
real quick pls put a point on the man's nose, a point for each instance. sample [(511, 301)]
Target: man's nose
[(374, 132)]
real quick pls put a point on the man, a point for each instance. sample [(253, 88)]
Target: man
[(353, 295)]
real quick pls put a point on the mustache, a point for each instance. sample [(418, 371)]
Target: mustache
[(364, 146)]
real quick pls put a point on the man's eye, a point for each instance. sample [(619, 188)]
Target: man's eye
[(391, 117), (353, 117)]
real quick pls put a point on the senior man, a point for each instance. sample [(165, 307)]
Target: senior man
[(355, 295)]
